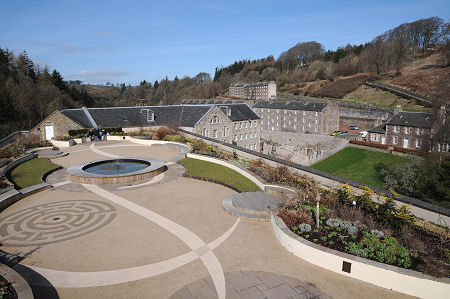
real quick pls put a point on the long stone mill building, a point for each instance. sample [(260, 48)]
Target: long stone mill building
[(261, 91), (226, 122), (298, 117)]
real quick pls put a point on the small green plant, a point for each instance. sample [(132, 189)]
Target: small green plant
[(294, 228), (324, 238), (330, 243), (315, 240), (306, 236), (332, 234)]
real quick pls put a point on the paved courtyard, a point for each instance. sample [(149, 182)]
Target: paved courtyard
[(166, 237)]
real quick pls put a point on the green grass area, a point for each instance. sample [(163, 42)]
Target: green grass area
[(218, 172), (359, 165), (30, 172)]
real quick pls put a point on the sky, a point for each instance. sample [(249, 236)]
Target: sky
[(130, 41)]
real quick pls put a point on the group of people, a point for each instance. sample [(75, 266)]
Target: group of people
[(97, 134)]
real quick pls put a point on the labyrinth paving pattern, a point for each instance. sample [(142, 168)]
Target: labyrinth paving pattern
[(54, 222)]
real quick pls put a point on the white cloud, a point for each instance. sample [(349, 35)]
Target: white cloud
[(103, 73)]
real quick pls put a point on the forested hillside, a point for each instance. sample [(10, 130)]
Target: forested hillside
[(29, 93)]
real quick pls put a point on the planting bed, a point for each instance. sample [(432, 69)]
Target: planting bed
[(387, 234)]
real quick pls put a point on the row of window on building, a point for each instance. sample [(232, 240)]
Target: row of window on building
[(246, 124), (406, 130), (251, 147), (395, 140), (245, 136)]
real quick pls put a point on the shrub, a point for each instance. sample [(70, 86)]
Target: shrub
[(377, 233), (62, 138), (75, 133), (163, 132), (175, 138), (333, 222), (304, 227), (386, 250), (295, 217)]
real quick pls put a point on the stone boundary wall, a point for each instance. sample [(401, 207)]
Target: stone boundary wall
[(423, 100), (421, 209), (382, 150), (228, 165), (387, 276)]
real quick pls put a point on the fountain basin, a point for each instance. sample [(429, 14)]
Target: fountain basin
[(115, 171)]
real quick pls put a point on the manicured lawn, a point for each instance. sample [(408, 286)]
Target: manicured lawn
[(29, 173), (359, 165), (221, 173)]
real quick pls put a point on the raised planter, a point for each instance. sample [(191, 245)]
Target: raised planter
[(117, 138), (58, 143), (390, 277), (81, 140)]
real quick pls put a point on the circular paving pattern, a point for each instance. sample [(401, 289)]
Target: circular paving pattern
[(54, 222), (252, 284)]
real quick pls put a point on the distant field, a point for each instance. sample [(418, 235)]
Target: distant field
[(359, 165)]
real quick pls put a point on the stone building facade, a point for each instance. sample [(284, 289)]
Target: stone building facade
[(56, 124), (261, 91), (220, 123), (298, 117), (410, 130)]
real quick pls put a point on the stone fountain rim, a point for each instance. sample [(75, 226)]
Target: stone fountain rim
[(77, 170)]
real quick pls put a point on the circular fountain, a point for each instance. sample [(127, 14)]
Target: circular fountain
[(116, 171)]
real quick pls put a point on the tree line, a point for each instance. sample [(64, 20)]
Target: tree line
[(308, 61), (29, 93)]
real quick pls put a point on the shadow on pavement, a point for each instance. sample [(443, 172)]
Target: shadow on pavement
[(40, 286)]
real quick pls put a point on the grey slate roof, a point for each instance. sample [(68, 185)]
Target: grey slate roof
[(381, 129), (413, 119), (78, 116), (295, 105), (179, 115)]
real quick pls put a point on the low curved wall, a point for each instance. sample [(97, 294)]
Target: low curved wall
[(58, 143), (22, 288), (390, 277), (228, 165)]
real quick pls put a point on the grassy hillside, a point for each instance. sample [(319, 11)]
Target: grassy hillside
[(371, 96), (359, 165)]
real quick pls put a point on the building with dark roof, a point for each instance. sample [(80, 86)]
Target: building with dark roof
[(254, 91), (298, 116), (226, 122), (412, 130)]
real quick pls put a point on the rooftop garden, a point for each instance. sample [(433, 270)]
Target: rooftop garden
[(220, 173), (30, 172)]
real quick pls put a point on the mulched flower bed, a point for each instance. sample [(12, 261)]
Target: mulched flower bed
[(412, 247), (6, 289)]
